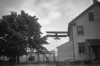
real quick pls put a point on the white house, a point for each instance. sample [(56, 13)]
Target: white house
[(84, 36)]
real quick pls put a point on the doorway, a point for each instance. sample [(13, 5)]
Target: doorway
[(96, 49)]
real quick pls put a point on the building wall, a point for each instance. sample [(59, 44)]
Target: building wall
[(91, 31), (24, 58), (65, 52)]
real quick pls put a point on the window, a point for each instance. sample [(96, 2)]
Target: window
[(91, 16), (82, 47), (80, 30)]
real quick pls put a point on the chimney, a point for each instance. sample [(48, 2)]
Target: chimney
[(95, 1)]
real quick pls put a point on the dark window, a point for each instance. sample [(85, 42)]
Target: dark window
[(91, 16), (82, 47), (80, 30)]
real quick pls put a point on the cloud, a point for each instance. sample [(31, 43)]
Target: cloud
[(46, 10), (44, 21), (54, 14), (9, 5)]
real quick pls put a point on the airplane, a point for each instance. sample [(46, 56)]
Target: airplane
[(56, 34)]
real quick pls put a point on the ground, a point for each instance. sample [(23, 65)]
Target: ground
[(49, 64), (42, 64)]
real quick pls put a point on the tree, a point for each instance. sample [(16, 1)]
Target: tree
[(17, 32), (42, 50)]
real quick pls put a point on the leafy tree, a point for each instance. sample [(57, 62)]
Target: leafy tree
[(42, 50), (17, 32)]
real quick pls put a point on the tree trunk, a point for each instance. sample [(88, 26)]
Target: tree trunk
[(18, 59), (46, 58), (38, 58)]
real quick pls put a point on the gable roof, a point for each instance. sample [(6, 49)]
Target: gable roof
[(73, 21), (62, 44)]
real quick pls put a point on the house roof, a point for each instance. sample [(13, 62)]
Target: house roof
[(62, 44), (73, 21)]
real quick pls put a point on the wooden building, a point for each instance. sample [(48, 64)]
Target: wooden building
[(84, 36)]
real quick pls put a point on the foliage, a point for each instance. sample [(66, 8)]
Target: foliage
[(19, 31)]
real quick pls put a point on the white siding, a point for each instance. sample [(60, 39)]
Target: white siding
[(65, 52), (91, 31)]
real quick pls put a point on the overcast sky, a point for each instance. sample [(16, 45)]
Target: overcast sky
[(54, 15)]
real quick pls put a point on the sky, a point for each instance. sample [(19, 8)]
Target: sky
[(54, 15)]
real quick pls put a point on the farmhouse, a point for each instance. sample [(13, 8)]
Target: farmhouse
[(84, 36)]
